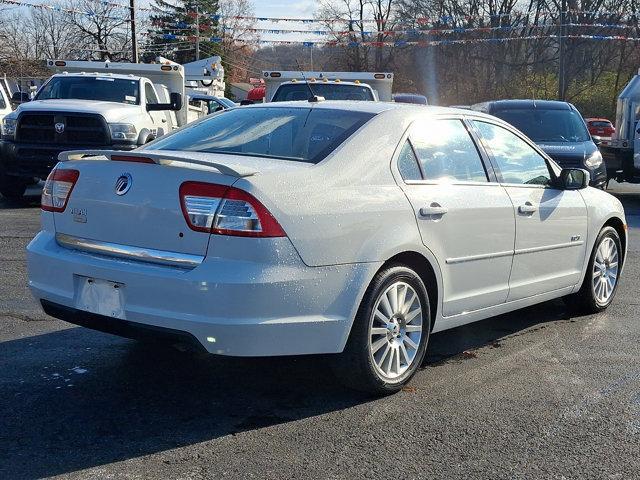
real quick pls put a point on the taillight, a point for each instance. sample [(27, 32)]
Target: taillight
[(131, 158), (226, 211), (57, 189)]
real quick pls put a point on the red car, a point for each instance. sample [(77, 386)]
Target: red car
[(600, 127)]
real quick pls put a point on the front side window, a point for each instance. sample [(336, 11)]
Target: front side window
[(150, 94), (516, 160), (447, 152), (303, 134), (106, 89)]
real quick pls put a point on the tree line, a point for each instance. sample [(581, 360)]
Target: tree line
[(480, 50)]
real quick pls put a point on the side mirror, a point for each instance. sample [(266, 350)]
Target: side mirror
[(597, 140), (246, 102), (574, 178), (175, 100), (175, 104)]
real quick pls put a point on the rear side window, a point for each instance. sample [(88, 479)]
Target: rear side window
[(516, 160), (408, 163), (446, 151), (299, 134)]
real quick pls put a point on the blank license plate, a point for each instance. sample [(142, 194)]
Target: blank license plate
[(100, 296)]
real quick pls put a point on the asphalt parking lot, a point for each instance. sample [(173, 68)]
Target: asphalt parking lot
[(532, 394)]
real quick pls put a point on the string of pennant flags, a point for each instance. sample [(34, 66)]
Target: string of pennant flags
[(421, 21), (412, 32), (402, 43)]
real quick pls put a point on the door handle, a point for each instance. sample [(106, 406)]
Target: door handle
[(432, 210), (527, 209)]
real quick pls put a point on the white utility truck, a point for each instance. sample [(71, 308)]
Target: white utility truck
[(282, 86), (89, 105), (5, 98), (622, 155), (205, 76)]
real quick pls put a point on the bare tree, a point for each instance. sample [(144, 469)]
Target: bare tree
[(101, 29)]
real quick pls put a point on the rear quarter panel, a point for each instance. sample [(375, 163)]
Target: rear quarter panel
[(348, 208)]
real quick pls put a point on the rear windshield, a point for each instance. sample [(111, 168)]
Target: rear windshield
[(330, 91), (547, 125), (300, 134), (91, 88), (600, 123)]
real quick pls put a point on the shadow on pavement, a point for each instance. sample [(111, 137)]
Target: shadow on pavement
[(75, 398)]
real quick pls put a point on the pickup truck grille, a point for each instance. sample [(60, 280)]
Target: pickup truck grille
[(79, 129)]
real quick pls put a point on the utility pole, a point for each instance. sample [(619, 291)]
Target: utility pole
[(134, 41), (561, 53), (197, 33)]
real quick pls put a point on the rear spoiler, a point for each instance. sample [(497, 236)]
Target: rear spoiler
[(153, 157)]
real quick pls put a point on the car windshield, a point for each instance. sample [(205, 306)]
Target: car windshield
[(547, 125), (330, 91), (300, 134), (600, 123), (105, 89)]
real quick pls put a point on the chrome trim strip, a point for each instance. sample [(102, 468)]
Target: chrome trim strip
[(544, 248), (147, 255), (483, 256)]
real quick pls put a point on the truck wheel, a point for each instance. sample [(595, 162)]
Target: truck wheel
[(389, 335), (603, 272), (12, 188)]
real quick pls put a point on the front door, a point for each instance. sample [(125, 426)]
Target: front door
[(551, 224), (466, 221)]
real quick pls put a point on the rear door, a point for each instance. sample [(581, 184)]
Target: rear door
[(551, 224), (465, 219)]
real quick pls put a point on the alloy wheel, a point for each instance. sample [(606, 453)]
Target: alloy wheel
[(605, 270), (395, 330)]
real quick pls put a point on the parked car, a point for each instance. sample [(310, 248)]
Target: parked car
[(209, 103), (557, 128), (410, 98), (217, 234), (600, 129)]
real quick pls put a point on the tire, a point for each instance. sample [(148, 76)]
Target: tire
[(603, 269), (382, 362), (12, 188)]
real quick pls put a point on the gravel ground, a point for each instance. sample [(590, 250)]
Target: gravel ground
[(532, 394)]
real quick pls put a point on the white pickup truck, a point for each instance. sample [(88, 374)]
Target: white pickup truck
[(282, 86), (5, 98), (89, 105)]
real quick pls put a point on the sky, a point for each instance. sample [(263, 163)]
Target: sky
[(284, 8)]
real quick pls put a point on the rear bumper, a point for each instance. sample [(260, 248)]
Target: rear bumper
[(122, 328), (229, 306), (37, 160)]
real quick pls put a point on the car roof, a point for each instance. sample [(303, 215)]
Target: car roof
[(322, 82), (597, 119), (529, 105), (99, 74), (368, 107)]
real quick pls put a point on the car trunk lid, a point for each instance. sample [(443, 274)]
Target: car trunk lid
[(137, 204)]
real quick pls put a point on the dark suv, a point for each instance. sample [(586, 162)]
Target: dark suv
[(557, 128)]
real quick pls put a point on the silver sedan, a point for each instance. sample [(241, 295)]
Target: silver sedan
[(350, 228)]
